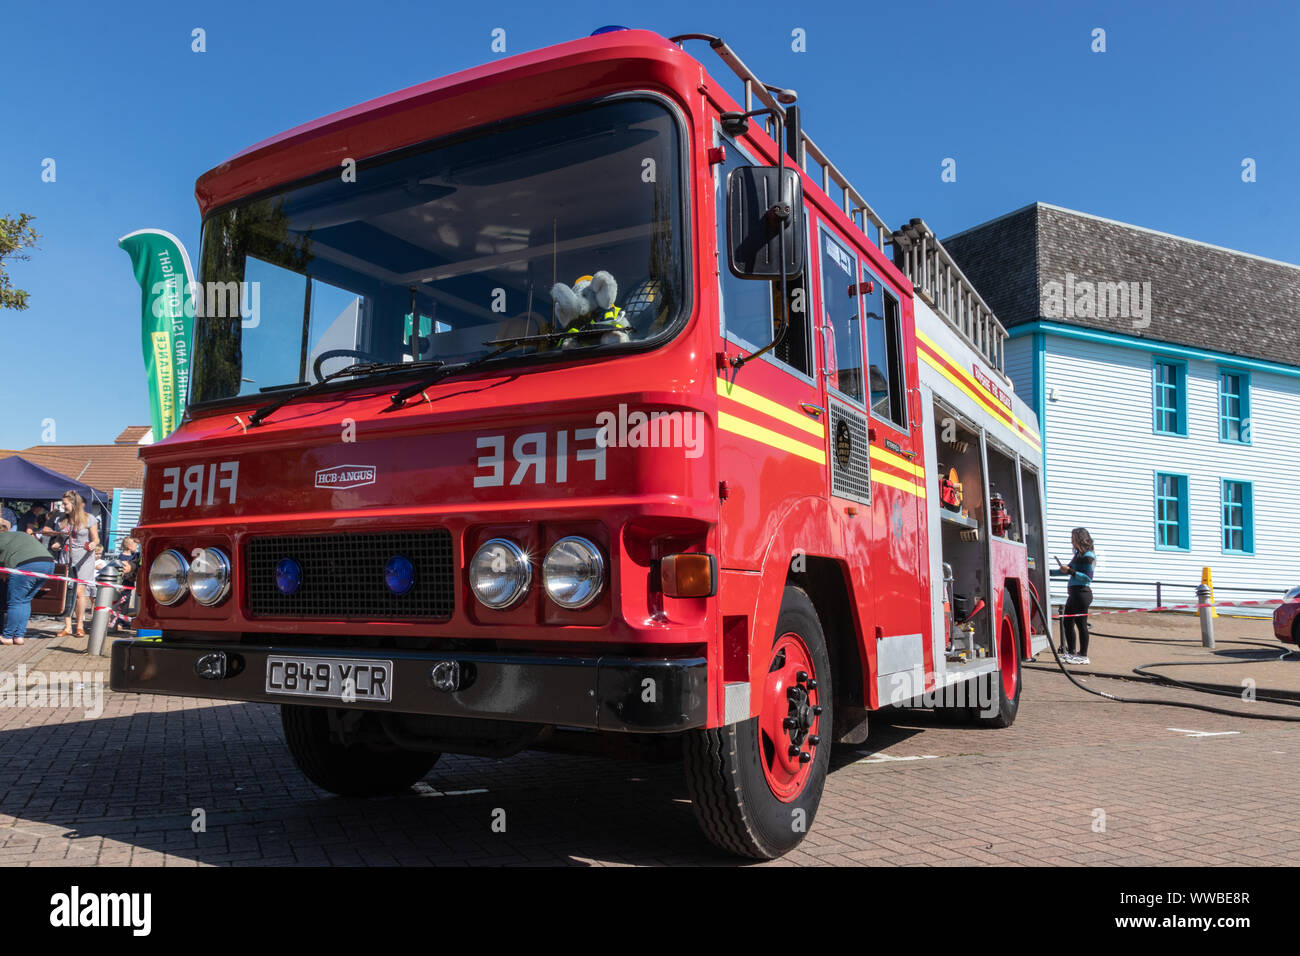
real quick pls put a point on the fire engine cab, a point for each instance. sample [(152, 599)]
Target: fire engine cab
[(587, 406)]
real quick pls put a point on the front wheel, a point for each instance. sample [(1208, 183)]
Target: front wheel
[(756, 784), (352, 769)]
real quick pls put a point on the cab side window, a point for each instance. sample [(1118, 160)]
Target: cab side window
[(750, 307), (840, 321), (885, 373)]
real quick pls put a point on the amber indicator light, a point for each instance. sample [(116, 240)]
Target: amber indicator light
[(688, 575)]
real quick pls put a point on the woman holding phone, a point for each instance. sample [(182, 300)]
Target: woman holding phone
[(1074, 621)]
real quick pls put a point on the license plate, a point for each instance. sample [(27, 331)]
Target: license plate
[(342, 679)]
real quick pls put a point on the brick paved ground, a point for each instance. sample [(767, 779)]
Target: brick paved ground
[(120, 789)]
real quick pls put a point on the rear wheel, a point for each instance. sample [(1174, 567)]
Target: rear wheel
[(1008, 676), (353, 769), (756, 784)]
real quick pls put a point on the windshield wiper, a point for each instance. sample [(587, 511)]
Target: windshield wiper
[(359, 368), (502, 345)]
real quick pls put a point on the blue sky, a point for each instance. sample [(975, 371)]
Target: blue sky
[(1153, 131)]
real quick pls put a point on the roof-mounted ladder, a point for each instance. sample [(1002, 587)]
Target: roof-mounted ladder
[(916, 250)]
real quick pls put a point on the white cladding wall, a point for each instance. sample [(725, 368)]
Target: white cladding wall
[(1018, 362), (1102, 455)]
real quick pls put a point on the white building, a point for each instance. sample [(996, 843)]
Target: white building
[(1166, 377)]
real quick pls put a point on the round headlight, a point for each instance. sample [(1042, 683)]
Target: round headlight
[(168, 577), (209, 577), (500, 574), (573, 572)]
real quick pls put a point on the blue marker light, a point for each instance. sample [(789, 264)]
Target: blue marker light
[(399, 574), (288, 576), (609, 29)]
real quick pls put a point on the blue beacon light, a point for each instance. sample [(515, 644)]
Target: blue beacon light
[(399, 574), (288, 576)]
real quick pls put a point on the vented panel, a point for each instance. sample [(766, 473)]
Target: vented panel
[(850, 455), (343, 575)]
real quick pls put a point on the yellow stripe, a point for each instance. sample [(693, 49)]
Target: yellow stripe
[(1030, 433), (898, 461), (747, 429), (933, 363), (902, 484), (768, 407)]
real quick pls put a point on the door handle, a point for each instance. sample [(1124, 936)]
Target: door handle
[(816, 411)]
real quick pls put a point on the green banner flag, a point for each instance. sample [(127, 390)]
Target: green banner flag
[(162, 267)]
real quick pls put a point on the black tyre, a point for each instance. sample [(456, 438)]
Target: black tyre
[(352, 770), (1008, 675), (753, 794)]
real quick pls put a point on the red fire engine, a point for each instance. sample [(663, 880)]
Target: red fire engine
[(572, 403)]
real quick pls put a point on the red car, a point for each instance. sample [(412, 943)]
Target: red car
[(1286, 619)]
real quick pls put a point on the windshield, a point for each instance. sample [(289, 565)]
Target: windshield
[(570, 223)]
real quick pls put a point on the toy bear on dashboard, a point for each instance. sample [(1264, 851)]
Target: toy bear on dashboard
[(589, 304)]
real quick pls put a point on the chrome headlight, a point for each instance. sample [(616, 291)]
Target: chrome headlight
[(168, 574), (573, 572), (1291, 595), (209, 577), (500, 574)]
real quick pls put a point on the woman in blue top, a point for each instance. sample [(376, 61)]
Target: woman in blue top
[(1079, 596)]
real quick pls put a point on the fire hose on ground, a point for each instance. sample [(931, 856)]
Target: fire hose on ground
[(1160, 703)]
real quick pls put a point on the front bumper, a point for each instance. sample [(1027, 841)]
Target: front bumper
[(597, 692)]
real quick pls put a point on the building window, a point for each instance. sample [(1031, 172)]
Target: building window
[(1170, 397), (1234, 406), (1171, 513), (1238, 518)]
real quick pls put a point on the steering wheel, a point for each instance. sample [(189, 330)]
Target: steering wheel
[(525, 324), (336, 353)]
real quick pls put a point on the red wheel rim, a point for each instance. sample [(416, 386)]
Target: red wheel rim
[(1009, 652), (790, 718)]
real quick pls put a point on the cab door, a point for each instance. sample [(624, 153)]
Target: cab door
[(849, 470), (900, 562), (771, 429)]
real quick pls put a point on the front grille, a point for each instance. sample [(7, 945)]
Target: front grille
[(343, 575)]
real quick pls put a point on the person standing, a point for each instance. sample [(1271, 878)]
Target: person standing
[(25, 553), (1074, 621), (82, 545)]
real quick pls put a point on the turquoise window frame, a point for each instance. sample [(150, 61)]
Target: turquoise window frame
[(1181, 498), (1242, 418), (1158, 391), (1227, 524)]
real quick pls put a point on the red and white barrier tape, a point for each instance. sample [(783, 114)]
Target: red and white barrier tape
[(1172, 607), (58, 577)]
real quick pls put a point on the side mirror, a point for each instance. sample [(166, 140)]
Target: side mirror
[(758, 210)]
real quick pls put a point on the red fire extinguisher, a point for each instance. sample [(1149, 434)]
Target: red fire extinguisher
[(1001, 519)]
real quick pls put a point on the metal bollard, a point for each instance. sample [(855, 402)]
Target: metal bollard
[(106, 588), (1204, 596)]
